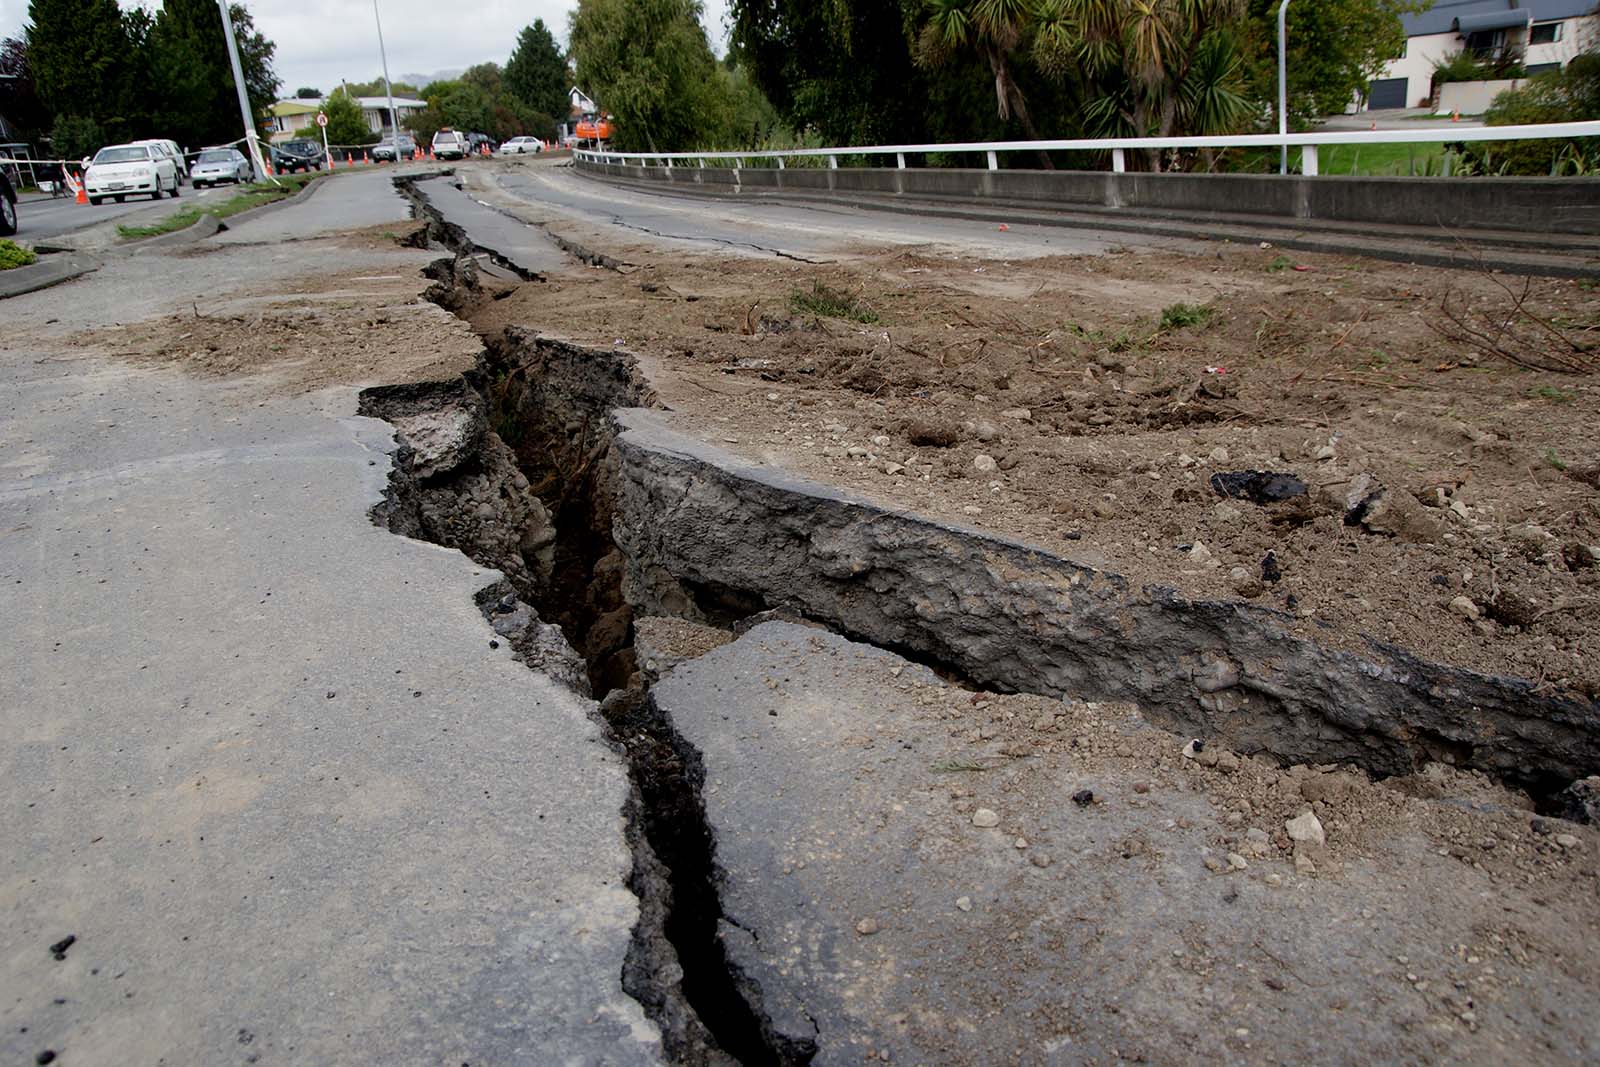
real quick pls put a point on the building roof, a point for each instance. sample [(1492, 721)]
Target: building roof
[(291, 108), (1442, 16)]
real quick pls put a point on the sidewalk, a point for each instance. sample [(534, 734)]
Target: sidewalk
[(265, 765)]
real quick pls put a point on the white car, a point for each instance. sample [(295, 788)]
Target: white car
[(124, 170), (519, 145), (217, 165)]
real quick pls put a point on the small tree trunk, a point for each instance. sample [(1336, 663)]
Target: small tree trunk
[(1011, 100)]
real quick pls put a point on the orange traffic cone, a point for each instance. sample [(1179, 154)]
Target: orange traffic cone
[(82, 197), (430, 154), (366, 158), (1455, 116)]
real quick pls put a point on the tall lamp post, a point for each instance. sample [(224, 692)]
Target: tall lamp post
[(394, 119), (1283, 85), (252, 141)]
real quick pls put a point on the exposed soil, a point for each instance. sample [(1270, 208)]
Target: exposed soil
[(363, 326), (1105, 425)]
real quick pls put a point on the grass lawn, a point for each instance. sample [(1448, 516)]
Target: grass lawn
[(1383, 159), (245, 198)]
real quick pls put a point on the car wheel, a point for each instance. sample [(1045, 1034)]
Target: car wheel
[(120, 198), (174, 190), (97, 200), (8, 216)]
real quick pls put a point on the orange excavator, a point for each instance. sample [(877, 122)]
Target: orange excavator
[(593, 129)]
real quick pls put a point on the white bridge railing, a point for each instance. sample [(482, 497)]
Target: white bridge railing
[(1308, 143)]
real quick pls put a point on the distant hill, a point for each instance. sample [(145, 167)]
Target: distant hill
[(421, 80)]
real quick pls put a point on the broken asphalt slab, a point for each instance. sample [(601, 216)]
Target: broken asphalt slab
[(264, 763), (916, 873)]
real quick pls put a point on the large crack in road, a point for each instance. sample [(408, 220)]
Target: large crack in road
[(547, 463)]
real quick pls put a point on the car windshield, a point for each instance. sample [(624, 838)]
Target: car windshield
[(122, 155), (216, 157)]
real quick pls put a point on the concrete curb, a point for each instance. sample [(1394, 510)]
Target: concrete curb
[(50, 270), (198, 230), (1395, 247)]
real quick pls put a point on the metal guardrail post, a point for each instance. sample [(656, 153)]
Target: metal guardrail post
[(1308, 160), (780, 162), (900, 160), (1119, 160), (833, 162), (994, 160)]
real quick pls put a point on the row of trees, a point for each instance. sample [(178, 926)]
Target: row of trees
[(1056, 68), (524, 96), (649, 64), (89, 72)]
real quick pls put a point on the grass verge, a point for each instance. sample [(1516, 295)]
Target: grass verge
[(14, 255), (244, 199)]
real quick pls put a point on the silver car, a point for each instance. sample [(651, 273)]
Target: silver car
[(217, 165)]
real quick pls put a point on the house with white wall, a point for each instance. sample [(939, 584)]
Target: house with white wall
[(1546, 33), (290, 115)]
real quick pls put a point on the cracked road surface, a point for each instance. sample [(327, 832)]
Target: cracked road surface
[(263, 763), (814, 232)]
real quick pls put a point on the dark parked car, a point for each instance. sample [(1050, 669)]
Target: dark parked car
[(298, 155), (8, 206), (477, 141)]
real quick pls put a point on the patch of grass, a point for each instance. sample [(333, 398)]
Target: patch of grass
[(14, 255), (1280, 264), (1554, 460), (1380, 358), (1552, 394), (828, 303), (1181, 316), (244, 199)]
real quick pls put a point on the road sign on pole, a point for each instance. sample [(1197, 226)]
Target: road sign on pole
[(322, 123), (322, 119)]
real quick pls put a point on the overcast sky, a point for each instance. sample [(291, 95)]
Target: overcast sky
[(320, 42)]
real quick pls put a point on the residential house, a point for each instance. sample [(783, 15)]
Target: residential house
[(1545, 33), (291, 115)]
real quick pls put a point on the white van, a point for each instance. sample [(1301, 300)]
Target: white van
[(448, 144), (171, 149)]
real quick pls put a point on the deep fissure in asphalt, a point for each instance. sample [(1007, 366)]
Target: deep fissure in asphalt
[(565, 570)]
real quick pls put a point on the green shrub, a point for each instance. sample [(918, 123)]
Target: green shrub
[(1569, 95), (829, 303), (1180, 316), (14, 255)]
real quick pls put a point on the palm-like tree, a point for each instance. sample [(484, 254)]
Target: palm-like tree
[(1154, 67), (995, 29)]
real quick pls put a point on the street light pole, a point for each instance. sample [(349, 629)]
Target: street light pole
[(251, 140), (1283, 84), (394, 119)]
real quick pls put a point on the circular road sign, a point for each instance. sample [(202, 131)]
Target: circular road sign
[(322, 118)]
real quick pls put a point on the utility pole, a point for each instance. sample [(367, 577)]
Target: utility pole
[(252, 141), (1283, 85), (394, 119)]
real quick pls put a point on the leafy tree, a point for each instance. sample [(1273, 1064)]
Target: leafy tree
[(648, 63), (305, 92), (536, 73), (74, 137), (842, 69), (375, 88), (994, 29), (1336, 47), (1148, 67), (19, 100), (1568, 95), (80, 55), (453, 103), (196, 102), (346, 124)]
